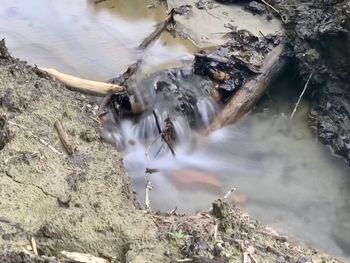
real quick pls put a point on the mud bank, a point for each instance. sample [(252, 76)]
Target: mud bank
[(320, 36), (84, 203)]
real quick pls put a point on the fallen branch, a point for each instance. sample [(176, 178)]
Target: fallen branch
[(83, 85), (248, 95), (62, 134), (302, 94)]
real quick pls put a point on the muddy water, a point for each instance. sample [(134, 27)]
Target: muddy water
[(86, 39), (283, 176)]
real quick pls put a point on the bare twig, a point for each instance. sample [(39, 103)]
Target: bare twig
[(172, 212), (272, 7), (62, 134), (228, 193), (216, 227), (157, 121), (147, 200), (302, 93), (42, 141), (168, 135), (34, 246)]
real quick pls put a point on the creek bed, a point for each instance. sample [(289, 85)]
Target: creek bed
[(283, 175)]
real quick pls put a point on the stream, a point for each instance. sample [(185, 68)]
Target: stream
[(282, 175)]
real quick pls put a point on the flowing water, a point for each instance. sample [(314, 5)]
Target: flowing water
[(283, 175)]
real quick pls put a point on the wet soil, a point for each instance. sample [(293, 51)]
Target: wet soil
[(320, 39), (84, 203)]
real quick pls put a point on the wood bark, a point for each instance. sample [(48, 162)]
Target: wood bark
[(248, 95)]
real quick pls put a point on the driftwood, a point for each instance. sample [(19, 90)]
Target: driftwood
[(247, 96), (83, 85)]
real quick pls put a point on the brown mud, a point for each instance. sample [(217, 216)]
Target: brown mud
[(84, 203)]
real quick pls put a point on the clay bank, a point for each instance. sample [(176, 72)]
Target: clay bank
[(210, 100)]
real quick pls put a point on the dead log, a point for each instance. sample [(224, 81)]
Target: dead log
[(83, 85), (247, 96)]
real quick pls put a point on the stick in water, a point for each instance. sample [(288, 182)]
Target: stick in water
[(147, 201), (302, 94)]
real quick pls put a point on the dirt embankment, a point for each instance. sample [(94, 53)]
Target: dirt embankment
[(83, 202), (320, 33)]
